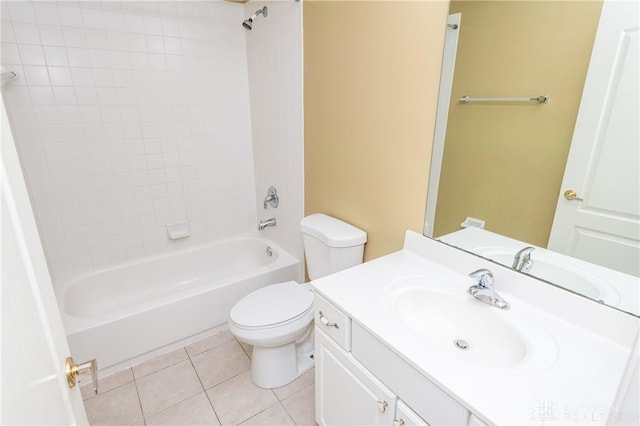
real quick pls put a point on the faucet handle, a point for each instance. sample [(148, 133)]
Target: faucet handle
[(271, 198), (484, 277)]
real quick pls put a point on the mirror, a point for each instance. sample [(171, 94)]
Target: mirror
[(503, 160)]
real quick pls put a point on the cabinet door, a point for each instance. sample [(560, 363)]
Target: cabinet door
[(405, 416), (346, 393)]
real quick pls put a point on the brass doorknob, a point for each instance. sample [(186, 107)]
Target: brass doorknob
[(73, 370), (571, 195)]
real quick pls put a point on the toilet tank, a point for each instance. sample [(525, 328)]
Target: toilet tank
[(330, 245)]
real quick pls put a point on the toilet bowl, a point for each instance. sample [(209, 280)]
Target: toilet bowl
[(277, 320)]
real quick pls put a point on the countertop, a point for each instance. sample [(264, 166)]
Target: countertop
[(578, 380)]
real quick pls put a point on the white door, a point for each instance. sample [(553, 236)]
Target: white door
[(604, 160), (33, 347)]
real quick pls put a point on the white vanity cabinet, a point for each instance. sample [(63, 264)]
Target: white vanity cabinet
[(359, 381), (405, 416), (346, 393)]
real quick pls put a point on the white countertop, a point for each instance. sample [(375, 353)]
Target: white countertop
[(576, 386)]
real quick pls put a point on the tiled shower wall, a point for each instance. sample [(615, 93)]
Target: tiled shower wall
[(274, 55), (129, 116)]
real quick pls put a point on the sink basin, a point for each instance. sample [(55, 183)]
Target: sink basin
[(569, 276), (459, 325)]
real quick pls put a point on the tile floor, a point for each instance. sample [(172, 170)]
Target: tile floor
[(205, 383)]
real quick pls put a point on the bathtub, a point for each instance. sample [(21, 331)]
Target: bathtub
[(118, 315)]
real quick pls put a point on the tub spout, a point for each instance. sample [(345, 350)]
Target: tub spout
[(264, 223)]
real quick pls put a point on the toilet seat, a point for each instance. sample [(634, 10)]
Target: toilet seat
[(272, 306)]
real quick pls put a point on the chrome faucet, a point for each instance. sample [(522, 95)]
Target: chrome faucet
[(522, 260), (484, 290), (264, 223)]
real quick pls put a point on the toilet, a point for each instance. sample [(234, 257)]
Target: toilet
[(277, 320)]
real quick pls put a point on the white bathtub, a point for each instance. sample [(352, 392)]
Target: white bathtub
[(120, 314)]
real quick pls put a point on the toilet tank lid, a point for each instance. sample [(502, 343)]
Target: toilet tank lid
[(331, 231)]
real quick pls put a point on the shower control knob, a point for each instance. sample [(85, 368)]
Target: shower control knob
[(271, 198)]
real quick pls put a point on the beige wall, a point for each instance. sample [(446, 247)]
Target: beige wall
[(504, 163), (371, 75)]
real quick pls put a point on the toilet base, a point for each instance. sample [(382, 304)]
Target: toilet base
[(277, 366)]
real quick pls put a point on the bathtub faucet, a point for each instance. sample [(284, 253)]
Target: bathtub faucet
[(264, 223)]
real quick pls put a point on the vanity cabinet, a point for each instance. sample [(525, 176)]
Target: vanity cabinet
[(360, 381), (346, 393)]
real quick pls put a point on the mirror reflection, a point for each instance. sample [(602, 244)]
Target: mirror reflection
[(548, 188)]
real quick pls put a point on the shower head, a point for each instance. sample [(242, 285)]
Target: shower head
[(248, 23)]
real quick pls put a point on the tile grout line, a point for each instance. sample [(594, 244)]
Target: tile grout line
[(180, 401), (135, 384), (288, 413), (159, 369), (203, 388), (268, 408)]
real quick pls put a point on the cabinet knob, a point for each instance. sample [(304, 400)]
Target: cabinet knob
[(398, 422), (326, 321), (382, 406)]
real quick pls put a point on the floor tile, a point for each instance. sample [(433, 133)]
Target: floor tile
[(210, 342), (275, 415), (220, 363), (119, 406), (196, 410), (301, 406), (105, 384), (238, 399), (167, 387), (298, 384), (159, 362)]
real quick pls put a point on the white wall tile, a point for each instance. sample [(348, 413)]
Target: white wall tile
[(97, 39), (31, 54), (64, 95), (17, 95), (51, 35), (114, 21), (10, 53), (100, 58), (21, 11), (70, 16), (36, 76), (6, 31), (275, 82), (56, 56), (93, 19), (26, 33), (117, 40), (60, 76), (74, 37), (86, 95), (46, 13), (111, 142)]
